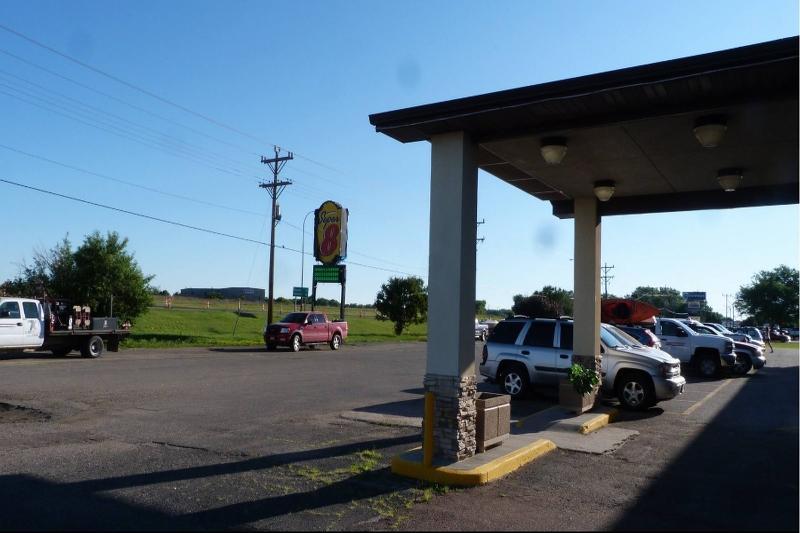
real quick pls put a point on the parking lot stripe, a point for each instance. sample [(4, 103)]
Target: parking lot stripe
[(710, 395)]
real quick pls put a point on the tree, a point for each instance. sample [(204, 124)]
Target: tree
[(561, 298), (404, 301), (99, 269), (535, 306), (772, 297), (480, 307), (665, 298)]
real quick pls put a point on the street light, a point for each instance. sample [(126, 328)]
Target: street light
[(303, 257)]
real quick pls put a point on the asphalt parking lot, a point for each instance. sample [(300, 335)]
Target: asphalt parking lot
[(241, 438)]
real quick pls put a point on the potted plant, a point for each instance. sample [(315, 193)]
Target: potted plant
[(577, 391)]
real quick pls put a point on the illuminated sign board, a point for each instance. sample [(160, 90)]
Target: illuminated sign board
[(330, 273), (330, 233)]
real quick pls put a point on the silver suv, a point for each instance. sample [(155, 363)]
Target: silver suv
[(522, 352)]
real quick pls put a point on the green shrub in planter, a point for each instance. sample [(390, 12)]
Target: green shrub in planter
[(583, 379)]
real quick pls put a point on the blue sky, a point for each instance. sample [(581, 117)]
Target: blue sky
[(306, 75)]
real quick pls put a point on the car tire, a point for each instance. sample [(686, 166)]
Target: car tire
[(93, 347), (635, 391), (514, 381), (294, 343), (336, 341), (742, 365), (270, 347), (708, 365)]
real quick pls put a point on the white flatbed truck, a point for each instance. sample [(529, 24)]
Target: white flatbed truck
[(26, 323)]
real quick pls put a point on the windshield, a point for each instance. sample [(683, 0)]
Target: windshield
[(697, 327), (609, 339), (295, 318), (624, 338)]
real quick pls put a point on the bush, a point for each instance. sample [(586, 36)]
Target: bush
[(583, 379)]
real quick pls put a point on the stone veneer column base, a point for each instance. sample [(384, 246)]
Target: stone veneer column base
[(455, 414), (588, 361)]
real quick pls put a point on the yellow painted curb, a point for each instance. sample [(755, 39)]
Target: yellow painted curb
[(601, 420), (479, 475)]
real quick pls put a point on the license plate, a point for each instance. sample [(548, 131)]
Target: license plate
[(272, 337)]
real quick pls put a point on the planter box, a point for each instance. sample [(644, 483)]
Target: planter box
[(569, 398), (493, 419)]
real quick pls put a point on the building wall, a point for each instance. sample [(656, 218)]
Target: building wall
[(245, 293)]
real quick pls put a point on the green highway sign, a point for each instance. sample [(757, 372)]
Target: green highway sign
[(300, 292), (329, 273)]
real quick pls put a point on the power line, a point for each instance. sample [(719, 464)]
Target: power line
[(128, 183), (122, 134), (201, 152), (134, 213), (181, 224), (161, 136), (150, 93)]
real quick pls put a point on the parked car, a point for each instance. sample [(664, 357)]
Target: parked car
[(481, 330), (525, 352), (644, 336), (753, 332), (748, 355), (298, 329), (794, 333), (777, 335), (741, 337), (708, 354)]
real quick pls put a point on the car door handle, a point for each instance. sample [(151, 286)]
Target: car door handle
[(19, 323), (525, 352), (564, 356)]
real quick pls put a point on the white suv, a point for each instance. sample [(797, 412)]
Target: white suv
[(522, 352)]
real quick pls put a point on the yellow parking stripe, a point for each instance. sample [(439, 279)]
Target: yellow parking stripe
[(710, 395)]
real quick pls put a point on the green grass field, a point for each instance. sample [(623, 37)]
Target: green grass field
[(189, 322)]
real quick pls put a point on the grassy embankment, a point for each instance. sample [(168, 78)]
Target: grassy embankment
[(190, 323)]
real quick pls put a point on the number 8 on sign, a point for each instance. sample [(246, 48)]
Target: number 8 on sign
[(330, 240)]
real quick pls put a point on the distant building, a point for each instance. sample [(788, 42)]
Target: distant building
[(229, 293)]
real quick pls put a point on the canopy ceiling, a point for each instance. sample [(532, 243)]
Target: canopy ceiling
[(634, 126)]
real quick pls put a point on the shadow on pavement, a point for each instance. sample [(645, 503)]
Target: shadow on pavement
[(40, 504), (731, 477)]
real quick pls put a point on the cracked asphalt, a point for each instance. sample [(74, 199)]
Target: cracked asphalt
[(239, 438)]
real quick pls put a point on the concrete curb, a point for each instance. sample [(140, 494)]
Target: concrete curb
[(599, 421), (409, 464)]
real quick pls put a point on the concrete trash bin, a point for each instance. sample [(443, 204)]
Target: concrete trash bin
[(493, 419)]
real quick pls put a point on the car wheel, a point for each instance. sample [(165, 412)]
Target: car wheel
[(708, 365), (514, 381), (270, 347), (295, 343), (635, 391), (93, 347), (742, 365), (336, 341)]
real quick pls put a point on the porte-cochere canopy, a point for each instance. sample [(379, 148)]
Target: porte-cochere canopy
[(634, 126)]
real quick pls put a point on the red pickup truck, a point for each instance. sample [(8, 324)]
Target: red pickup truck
[(298, 329)]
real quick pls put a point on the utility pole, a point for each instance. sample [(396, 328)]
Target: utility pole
[(274, 188), (479, 239), (727, 316), (605, 277)]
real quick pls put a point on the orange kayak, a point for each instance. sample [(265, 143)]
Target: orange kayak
[(623, 311)]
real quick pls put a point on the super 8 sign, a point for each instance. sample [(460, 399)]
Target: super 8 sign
[(330, 233)]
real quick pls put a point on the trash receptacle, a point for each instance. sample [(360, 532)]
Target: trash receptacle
[(493, 423)]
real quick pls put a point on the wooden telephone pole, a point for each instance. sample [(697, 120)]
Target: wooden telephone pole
[(274, 188)]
